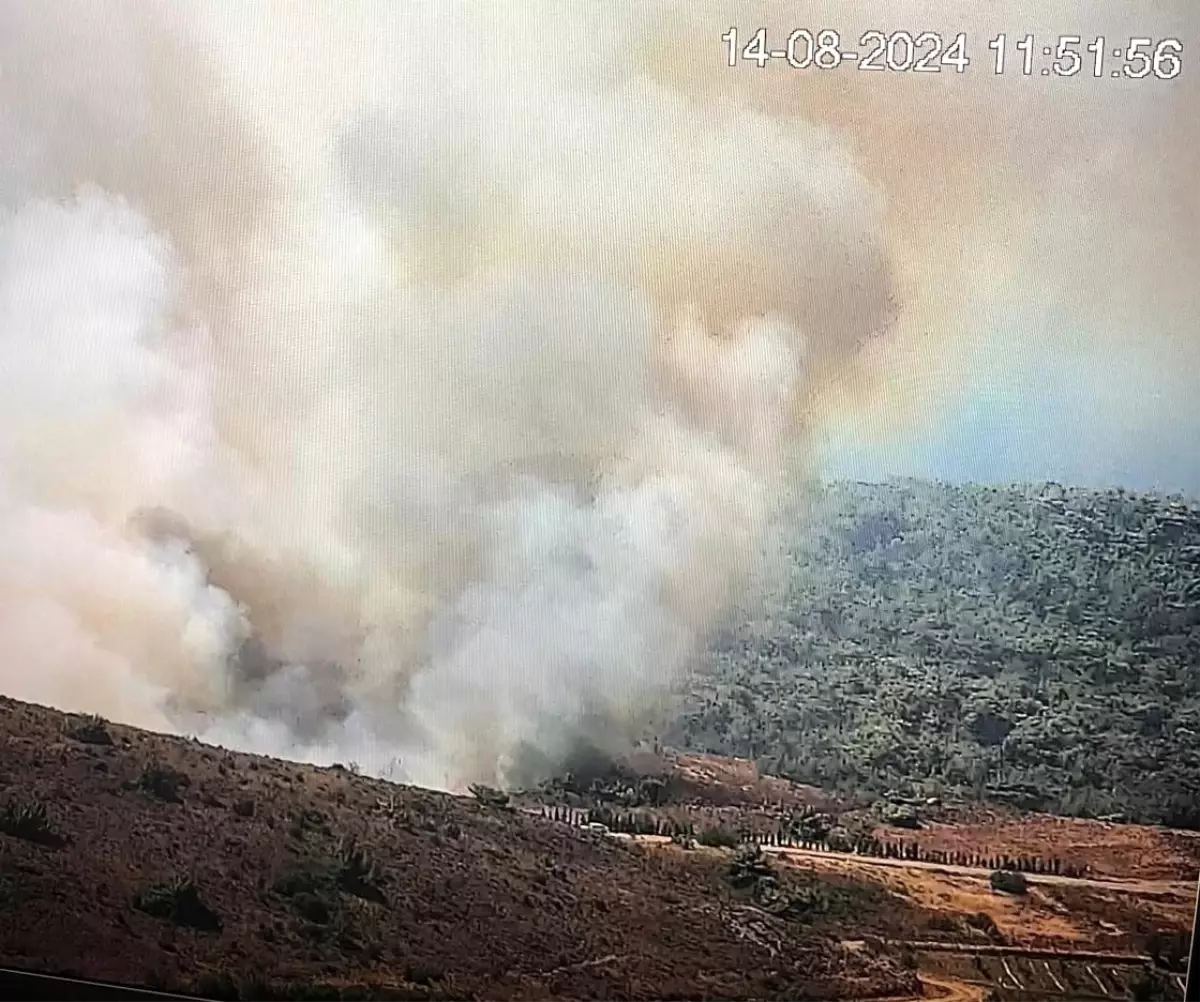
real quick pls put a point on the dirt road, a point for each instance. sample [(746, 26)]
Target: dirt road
[(1150, 888), (947, 990), (1163, 888)]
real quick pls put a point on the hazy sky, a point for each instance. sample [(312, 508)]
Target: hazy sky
[(1090, 418), (1048, 237)]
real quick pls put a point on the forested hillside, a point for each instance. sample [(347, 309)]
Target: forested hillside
[(1035, 645)]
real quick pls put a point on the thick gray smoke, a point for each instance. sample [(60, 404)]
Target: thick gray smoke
[(375, 397), (406, 384)]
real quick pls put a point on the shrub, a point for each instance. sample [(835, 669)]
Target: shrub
[(1169, 949), (312, 907), (358, 874), (1009, 881), (747, 866), (220, 985), (308, 820), (29, 822), (489, 796), (1148, 985), (839, 840), (163, 782), (902, 817), (719, 838), (313, 878), (90, 730), (985, 924), (179, 902), (794, 899), (423, 974), (810, 826)]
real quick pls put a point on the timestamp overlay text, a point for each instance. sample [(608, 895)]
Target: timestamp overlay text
[(1003, 54)]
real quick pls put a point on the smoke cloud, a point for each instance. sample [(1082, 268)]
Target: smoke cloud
[(414, 386)]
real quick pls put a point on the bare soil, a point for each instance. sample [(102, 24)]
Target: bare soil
[(1104, 848)]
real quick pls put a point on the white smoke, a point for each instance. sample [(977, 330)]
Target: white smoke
[(414, 383)]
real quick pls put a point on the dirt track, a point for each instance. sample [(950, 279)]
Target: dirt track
[(1149, 888), (1172, 888), (948, 990), (943, 990)]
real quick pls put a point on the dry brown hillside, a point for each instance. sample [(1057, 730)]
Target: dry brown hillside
[(166, 861)]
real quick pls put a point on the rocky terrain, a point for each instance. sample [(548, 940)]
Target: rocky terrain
[(140, 858)]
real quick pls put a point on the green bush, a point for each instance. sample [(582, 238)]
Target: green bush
[(748, 866)]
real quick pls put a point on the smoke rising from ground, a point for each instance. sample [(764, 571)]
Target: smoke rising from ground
[(414, 384)]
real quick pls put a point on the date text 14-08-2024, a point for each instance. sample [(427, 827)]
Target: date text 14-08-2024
[(901, 51)]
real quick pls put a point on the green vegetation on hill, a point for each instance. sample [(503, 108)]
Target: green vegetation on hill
[(1033, 645)]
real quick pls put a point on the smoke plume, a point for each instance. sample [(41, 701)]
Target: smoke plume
[(413, 386)]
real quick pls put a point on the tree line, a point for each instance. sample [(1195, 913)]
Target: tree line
[(632, 822)]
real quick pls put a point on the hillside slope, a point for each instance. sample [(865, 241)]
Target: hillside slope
[(169, 862), (1033, 645)]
